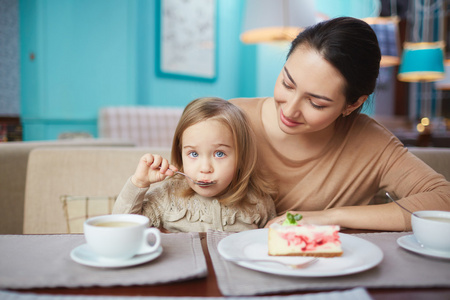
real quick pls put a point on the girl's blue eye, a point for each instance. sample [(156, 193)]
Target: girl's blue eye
[(220, 154), (193, 154)]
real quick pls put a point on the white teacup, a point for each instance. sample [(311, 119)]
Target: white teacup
[(120, 237), (431, 228)]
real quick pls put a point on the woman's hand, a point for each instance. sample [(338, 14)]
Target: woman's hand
[(321, 217), (152, 168)]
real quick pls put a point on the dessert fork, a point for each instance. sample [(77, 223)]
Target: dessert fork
[(289, 265)]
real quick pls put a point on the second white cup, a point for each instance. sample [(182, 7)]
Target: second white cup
[(432, 229)]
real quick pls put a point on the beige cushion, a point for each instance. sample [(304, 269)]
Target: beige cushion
[(91, 172)]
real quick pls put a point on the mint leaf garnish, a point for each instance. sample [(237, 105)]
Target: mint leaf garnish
[(291, 219)]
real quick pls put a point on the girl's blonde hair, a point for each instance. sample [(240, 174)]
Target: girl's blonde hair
[(247, 178)]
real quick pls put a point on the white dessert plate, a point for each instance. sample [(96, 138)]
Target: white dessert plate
[(359, 255), (84, 255), (410, 243)]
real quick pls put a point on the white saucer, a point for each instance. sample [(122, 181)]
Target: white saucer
[(83, 255), (410, 243)]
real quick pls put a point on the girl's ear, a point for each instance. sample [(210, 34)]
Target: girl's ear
[(350, 108)]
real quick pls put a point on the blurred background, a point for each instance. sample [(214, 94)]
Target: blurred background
[(63, 61)]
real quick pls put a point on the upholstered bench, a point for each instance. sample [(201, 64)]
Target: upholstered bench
[(101, 172)]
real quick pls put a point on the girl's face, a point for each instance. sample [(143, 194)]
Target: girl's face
[(308, 93), (208, 155)]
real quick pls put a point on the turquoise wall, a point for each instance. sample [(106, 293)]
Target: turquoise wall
[(80, 55), (351, 8)]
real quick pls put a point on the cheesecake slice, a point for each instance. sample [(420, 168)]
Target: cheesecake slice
[(304, 240)]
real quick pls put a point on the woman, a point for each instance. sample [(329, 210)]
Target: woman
[(329, 160)]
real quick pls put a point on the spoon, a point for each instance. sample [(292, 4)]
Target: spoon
[(199, 183), (392, 199)]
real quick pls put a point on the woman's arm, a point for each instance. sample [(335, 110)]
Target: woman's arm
[(416, 185), (371, 217)]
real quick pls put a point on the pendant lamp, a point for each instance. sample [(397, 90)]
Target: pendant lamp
[(422, 62)]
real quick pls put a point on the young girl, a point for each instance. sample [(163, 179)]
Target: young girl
[(213, 144)]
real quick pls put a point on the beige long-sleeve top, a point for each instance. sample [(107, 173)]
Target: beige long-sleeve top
[(362, 158), (166, 209)]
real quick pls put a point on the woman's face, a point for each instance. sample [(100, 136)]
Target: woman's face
[(208, 155), (309, 93)]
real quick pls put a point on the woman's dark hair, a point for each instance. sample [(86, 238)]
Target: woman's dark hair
[(351, 46)]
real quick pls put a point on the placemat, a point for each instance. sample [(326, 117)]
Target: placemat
[(42, 261), (353, 294), (398, 269)]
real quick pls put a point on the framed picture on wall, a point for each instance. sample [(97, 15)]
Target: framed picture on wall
[(186, 45)]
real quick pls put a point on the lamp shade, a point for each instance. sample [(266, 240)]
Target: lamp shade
[(276, 20), (422, 62)]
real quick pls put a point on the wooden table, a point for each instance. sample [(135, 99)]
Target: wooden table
[(207, 287)]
